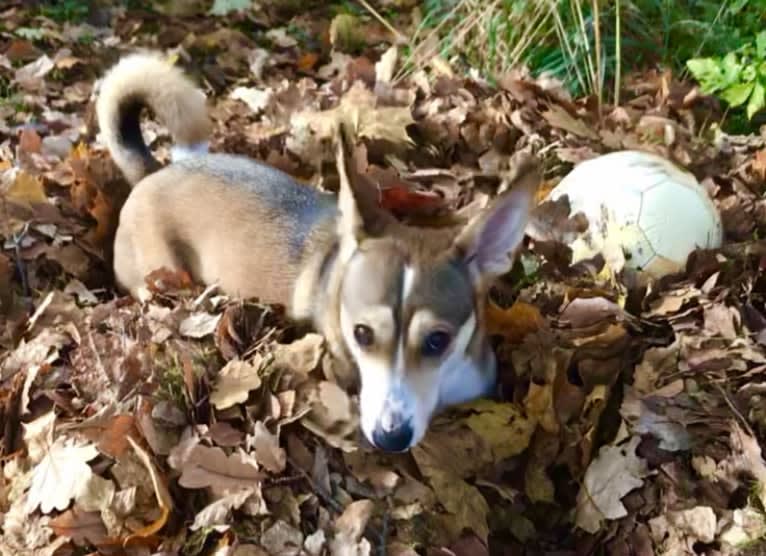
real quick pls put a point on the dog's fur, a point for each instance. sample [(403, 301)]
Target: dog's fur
[(345, 265)]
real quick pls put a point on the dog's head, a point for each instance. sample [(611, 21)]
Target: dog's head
[(411, 305)]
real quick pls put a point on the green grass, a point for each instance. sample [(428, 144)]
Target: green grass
[(585, 43)]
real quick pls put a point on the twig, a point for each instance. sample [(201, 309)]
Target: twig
[(617, 52), (20, 266), (598, 77), (737, 412), (399, 36)]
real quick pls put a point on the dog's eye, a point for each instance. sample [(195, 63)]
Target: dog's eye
[(364, 335), (436, 343)]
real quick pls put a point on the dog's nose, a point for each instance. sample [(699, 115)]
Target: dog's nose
[(397, 439)]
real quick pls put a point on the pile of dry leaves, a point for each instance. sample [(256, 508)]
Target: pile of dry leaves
[(629, 418)]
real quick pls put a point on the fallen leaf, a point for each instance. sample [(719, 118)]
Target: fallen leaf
[(672, 301), (401, 199), (113, 440), (616, 471), (78, 290), (515, 323), (283, 539), (199, 325), (29, 140), (30, 76), (235, 382), (307, 61), (384, 68), (211, 467), (219, 512), (467, 507), (96, 495), (38, 436), (699, 522), (558, 117), (256, 99), (60, 475), (502, 426), (26, 189), (267, 449), (358, 109), (301, 356), (349, 528), (84, 528)]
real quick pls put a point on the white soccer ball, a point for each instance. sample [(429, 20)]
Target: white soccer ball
[(644, 212)]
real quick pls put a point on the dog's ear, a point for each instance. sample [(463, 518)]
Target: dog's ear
[(360, 213), (488, 242)]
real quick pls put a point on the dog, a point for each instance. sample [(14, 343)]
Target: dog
[(403, 304)]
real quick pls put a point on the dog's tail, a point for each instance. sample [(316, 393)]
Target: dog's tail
[(146, 80)]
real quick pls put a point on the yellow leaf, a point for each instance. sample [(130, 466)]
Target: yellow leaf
[(538, 485), (539, 405), (26, 189), (464, 502), (502, 426)]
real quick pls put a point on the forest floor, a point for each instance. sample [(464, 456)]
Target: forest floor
[(630, 420)]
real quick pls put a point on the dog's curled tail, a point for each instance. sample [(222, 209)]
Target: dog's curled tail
[(147, 80)]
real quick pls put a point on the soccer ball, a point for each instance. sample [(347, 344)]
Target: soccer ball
[(644, 212)]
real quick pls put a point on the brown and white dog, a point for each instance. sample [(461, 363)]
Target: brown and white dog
[(404, 304)]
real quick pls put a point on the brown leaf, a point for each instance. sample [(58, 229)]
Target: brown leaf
[(82, 527), (558, 117), (515, 323), (349, 528), (219, 512), (6, 289), (113, 440), (235, 382), (29, 140), (722, 321), (20, 50), (307, 61), (164, 280), (211, 467), (301, 356), (267, 450), (464, 503), (759, 164), (551, 221)]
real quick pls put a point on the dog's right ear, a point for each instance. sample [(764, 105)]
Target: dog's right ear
[(360, 212)]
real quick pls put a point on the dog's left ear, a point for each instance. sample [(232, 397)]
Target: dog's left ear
[(360, 213), (488, 242)]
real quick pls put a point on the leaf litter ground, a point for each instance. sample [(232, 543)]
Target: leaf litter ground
[(630, 418)]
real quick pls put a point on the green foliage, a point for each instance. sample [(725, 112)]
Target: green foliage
[(561, 38), (738, 78), (66, 10)]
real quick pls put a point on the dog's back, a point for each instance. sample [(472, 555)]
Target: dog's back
[(254, 224)]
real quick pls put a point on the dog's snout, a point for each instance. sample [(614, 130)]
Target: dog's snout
[(396, 439)]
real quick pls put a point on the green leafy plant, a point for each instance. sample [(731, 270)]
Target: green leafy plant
[(586, 44), (738, 78), (66, 10)]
